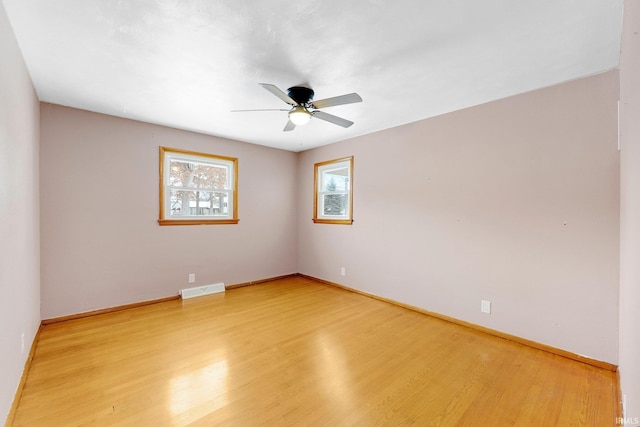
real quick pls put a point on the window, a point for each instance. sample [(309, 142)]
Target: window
[(333, 187), (197, 188)]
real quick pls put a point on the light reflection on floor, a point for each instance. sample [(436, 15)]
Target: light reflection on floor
[(334, 373), (198, 393)]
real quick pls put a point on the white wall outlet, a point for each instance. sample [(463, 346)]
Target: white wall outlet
[(192, 277), (485, 307), (22, 343), (343, 271)]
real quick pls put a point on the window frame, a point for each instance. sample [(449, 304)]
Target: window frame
[(318, 168), (166, 154)]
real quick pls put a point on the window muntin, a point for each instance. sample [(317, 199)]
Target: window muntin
[(197, 188), (333, 188)]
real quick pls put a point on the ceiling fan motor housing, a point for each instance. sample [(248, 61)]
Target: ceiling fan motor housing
[(302, 95)]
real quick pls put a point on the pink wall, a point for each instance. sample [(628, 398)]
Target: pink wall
[(630, 211), (19, 229), (516, 202), (101, 243)]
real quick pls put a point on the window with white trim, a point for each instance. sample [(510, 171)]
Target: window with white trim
[(197, 188), (333, 183)]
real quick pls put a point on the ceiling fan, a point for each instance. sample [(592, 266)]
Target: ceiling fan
[(300, 98)]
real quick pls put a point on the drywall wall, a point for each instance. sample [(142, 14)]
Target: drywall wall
[(515, 202), (630, 212), (19, 221), (101, 242)]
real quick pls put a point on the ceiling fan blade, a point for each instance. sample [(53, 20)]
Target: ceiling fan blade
[(332, 119), (260, 109), (349, 98), (289, 126), (280, 94)]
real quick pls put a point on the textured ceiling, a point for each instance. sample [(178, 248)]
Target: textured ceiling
[(187, 64)]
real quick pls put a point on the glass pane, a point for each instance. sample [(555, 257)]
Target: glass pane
[(198, 175), (335, 179), (199, 203), (334, 204)]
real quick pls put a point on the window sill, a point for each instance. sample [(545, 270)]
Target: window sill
[(333, 221), (197, 221)]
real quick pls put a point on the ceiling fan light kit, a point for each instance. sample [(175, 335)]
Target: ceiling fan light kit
[(300, 98), (299, 116)]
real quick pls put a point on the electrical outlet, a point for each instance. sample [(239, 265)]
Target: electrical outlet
[(192, 277), (343, 271), (485, 307)]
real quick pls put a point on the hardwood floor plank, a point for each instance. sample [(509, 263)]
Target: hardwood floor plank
[(294, 352)]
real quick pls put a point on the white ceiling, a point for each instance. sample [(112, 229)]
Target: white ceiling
[(187, 63)]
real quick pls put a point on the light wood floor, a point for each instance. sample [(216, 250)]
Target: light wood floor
[(297, 353)]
